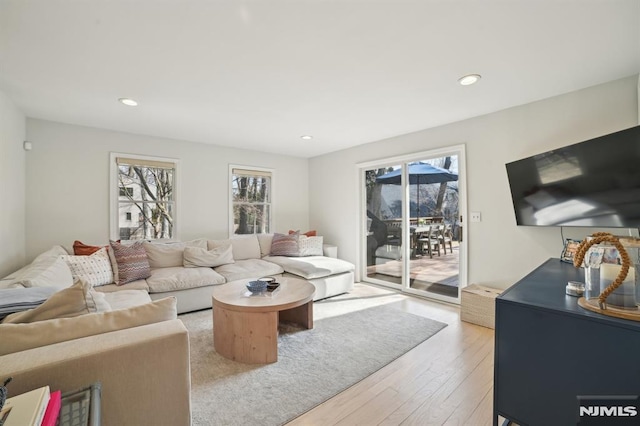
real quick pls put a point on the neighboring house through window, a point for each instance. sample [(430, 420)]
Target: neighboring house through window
[(251, 197), (143, 188)]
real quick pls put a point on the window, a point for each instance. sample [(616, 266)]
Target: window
[(145, 189), (250, 201)]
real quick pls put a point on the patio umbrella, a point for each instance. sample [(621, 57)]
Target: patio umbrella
[(419, 173)]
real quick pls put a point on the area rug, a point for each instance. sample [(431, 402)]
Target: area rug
[(313, 365)]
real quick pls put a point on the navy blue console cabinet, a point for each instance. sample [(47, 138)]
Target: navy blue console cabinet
[(549, 350)]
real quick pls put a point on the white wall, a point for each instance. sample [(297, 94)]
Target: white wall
[(68, 184), (500, 252), (12, 190)]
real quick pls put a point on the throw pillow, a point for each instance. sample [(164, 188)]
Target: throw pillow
[(244, 246), (132, 262), (169, 254), (81, 249), (198, 257), (94, 269), (163, 255), (311, 233), (310, 246), (285, 245), (79, 299)]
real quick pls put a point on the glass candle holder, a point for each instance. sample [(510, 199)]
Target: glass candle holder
[(602, 266)]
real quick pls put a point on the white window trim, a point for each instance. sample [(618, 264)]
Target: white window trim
[(272, 221), (114, 232)]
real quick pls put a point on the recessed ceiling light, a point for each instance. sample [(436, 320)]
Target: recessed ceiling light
[(128, 102), (306, 137), (469, 79)]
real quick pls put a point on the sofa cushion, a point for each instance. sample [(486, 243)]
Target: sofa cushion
[(265, 241), (20, 299), (132, 261), (49, 256), (179, 278), (195, 257), (124, 299), (94, 269), (133, 285), (313, 266), (166, 255), (244, 246), (8, 283), (53, 253), (249, 268), (79, 299), (20, 337), (45, 272)]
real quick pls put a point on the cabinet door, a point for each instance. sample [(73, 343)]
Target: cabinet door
[(545, 359)]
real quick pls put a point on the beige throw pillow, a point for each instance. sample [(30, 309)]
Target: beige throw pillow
[(79, 299), (244, 246), (20, 337), (94, 269), (310, 246), (162, 255), (167, 255), (198, 257)]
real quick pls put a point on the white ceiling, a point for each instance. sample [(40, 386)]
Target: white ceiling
[(259, 74)]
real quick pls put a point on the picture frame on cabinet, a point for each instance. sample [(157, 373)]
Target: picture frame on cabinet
[(569, 250)]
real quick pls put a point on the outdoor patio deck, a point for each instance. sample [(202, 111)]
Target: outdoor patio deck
[(438, 274)]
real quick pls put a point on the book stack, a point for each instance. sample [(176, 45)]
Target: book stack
[(39, 407)]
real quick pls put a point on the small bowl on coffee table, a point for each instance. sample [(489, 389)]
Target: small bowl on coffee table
[(257, 286), (271, 283)]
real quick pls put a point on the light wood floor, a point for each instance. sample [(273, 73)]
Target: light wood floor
[(446, 380)]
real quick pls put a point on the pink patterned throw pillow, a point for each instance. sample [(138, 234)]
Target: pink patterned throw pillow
[(132, 261), (285, 245)]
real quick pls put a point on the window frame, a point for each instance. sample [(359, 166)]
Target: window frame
[(114, 193), (258, 170)]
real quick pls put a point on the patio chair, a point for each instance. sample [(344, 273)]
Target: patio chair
[(446, 237), (377, 237), (429, 241), (394, 233)]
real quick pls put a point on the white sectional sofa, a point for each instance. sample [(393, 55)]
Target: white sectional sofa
[(191, 286), (74, 338)]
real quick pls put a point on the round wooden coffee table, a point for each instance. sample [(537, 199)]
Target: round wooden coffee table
[(245, 328)]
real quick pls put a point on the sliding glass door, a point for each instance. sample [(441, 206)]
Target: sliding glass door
[(384, 231), (412, 236)]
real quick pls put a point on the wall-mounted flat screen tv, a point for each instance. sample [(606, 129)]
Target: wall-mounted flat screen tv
[(595, 183)]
